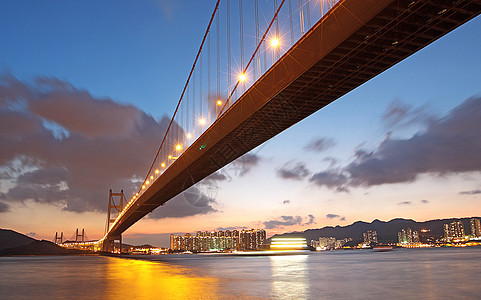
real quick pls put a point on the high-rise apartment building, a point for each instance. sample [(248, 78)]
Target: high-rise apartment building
[(219, 240), (370, 236), (475, 228), (408, 236), (454, 231)]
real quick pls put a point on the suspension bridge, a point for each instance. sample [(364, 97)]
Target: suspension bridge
[(302, 55)]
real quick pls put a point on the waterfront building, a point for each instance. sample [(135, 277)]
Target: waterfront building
[(205, 241), (408, 236), (454, 231), (475, 228), (370, 236), (327, 243)]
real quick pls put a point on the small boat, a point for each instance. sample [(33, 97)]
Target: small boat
[(382, 248)]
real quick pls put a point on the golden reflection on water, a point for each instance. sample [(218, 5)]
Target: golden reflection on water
[(289, 277), (136, 279)]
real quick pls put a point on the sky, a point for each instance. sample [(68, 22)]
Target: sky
[(87, 89)]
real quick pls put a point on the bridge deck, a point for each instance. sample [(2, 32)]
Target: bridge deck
[(356, 41)]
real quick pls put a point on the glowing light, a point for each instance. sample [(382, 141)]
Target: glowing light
[(143, 187), (151, 177), (162, 165), (136, 194), (156, 171), (275, 42), (201, 121), (288, 243), (242, 77), (219, 102), (189, 135), (147, 182), (170, 156)]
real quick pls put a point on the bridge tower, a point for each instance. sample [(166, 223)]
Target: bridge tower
[(112, 212), (80, 237), (58, 239)]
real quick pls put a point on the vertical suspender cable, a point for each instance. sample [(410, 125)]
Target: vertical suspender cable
[(257, 64), (194, 113), (308, 11), (241, 34), (291, 23), (301, 17), (218, 57), (278, 52), (229, 71), (187, 112), (200, 91), (208, 76)]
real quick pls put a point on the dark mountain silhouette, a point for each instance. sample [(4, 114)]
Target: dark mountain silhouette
[(42, 247), (386, 231), (14, 243), (10, 239)]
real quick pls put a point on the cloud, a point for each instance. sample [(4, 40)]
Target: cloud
[(404, 203), (4, 207), (334, 216), (78, 112), (320, 144), (447, 145), (473, 192), (190, 202), (425, 201), (31, 234), (311, 220), (283, 221), (399, 114), (286, 201), (64, 146), (331, 179), (297, 172), (230, 228), (246, 163), (217, 176)]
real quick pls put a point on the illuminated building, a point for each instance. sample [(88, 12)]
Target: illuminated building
[(408, 236), (454, 231), (327, 242), (475, 228), (205, 241), (370, 236)]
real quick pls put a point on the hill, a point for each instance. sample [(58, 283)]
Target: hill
[(10, 239), (14, 243), (386, 231), (42, 247)]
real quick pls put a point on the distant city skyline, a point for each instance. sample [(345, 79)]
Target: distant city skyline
[(405, 144)]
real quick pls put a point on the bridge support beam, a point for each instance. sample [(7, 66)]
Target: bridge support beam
[(109, 244)]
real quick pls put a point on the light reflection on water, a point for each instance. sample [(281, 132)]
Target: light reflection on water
[(130, 279), (399, 274), (83, 277), (289, 276)]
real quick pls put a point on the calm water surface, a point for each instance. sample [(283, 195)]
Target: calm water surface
[(443, 273)]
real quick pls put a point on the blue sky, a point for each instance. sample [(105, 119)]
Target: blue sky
[(138, 54)]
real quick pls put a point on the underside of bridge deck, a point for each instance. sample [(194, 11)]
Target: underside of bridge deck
[(356, 41)]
